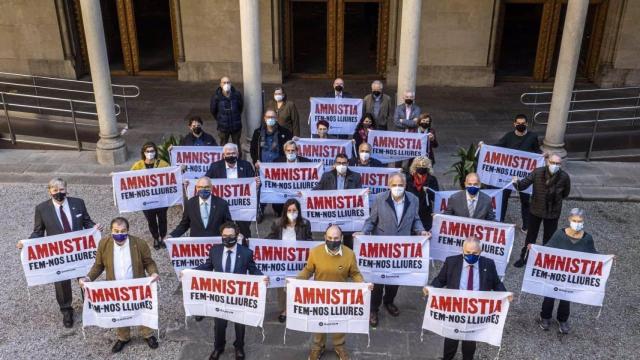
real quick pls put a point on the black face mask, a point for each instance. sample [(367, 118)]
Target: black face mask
[(229, 241), (521, 127), (197, 131), (376, 93), (231, 159), (425, 125), (338, 88), (59, 196), (333, 245), (422, 170), (408, 101)]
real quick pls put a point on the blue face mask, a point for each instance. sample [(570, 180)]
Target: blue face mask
[(119, 237), (471, 258), (204, 193), (473, 190)]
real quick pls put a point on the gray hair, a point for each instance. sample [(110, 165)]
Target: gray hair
[(377, 82), (576, 212), (290, 142), (230, 146), (398, 175), (472, 240), (57, 183), (206, 179)]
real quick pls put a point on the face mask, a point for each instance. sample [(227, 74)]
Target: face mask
[(341, 169), (553, 168), (338, 88), (397, 191), (521, 127), (119, 237), (471, 258), (333, 245), (422, 170), (197, 130), (271, 121), (278, 97), (231, 159), (364, 156), (291, 156), (204, 193), (229, 241), (292, 216), (376, 93), (226, 87), (576, 226), (59, 196), (408, 101), (473, 190), (366, 126), (150, 155), (425, 125)]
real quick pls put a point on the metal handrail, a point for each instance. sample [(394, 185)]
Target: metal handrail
[(136, 88), (72, 110), (536, 94)]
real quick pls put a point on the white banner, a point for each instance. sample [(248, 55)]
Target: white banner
[(448, 234), (282, 181), (567, 275), (342, 114), (235, 297), (467, 315), (147, 189), (196, 159), (347, 208), (240, 194), (442, 199), (190, 252), (324, 150), (375, 179), (497, 165), (390, 146), (393, 260), (121, 303), (60, 257), (328, 307), (280, 259)]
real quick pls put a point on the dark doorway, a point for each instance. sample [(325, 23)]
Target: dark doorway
[(360, 38), (519, 44), (309, 33), (112, 34), (153, 29), (586, 39)]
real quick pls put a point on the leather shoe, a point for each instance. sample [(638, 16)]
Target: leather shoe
[(239, 353), (282, 318), (163, 244), (119, 345), (152, 342), (215, 355), (156, 243), (373, 319), (199, 318), (67, 319), (392, 309), (520, 263)]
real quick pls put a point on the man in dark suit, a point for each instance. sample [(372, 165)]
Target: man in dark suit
[(338, 90), (232, 167), (468, 271), (471, 202), (291, 154), (61, 214), (230, 257)]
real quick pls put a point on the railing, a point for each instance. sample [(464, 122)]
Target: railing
[(72, 109), (123, 92)]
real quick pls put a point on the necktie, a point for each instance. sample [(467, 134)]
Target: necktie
[(204, 213), (470, 279), (65, 222), (472, 207), (227, 265)]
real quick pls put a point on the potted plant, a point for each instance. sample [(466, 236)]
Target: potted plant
[(165, 146), (467, 163)]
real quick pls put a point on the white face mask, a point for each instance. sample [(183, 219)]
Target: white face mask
[(226, 87), (150, 155), (364, 156), (553, 168), (291, 156), (278, 97), (397, 191), (576, 226), (341, 169), (271, 121), (292, 216)]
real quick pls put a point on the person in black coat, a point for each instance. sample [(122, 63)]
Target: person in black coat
[(232, 167), (419, 180), (197, 136), (58, 215), (267, 142), (472, 272), (291, 154), (363, 157), (226, 107), (361, 133), (194, 216), (338, 90), (229, 257)]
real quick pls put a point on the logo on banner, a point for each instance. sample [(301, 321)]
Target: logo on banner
[(195, 159), (497, 165), (390, 146)]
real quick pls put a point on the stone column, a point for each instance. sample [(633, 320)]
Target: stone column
[(565, 76), (110, 149), (251, 71), (409, 44)]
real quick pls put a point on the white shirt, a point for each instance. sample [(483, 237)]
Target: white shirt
[(232, 172), (288, 233), (464, 276), (225, 254), (66, 210), (122, 268), (407, 112), (399, 207), (339, 253)]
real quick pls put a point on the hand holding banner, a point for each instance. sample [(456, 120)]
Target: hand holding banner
[(235, 297), (347, 208), (282, 181), (497, 165), (328, 307), (467, 315), (390, 146), (147, 189), (121, 303), (342, 114), (196, 159), (59, 257), (567, 275), (280, 259), (190, 252)]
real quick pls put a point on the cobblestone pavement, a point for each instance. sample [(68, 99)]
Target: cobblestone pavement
[(30, 323)]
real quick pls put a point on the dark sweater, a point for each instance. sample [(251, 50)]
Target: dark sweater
[(548, 191), (560, 240), (528, 142)]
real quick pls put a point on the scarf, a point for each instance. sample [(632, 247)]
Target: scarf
[(419, 181)]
